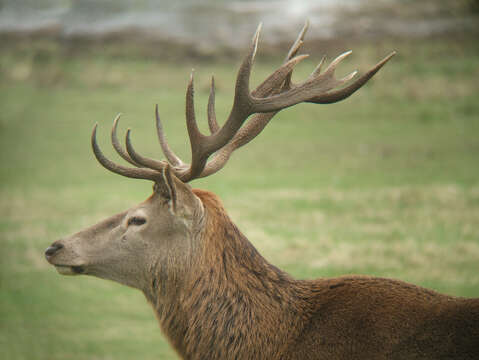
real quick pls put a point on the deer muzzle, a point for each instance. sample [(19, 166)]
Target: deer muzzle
[(53, 254)]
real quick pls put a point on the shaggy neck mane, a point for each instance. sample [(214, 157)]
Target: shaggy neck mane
[(229, 297)]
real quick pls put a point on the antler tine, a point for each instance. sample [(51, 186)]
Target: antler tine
[(212, 123), (116, 143), (241, 103), (332, 67), (198, 154), (137, 173), (294, 50), (170, 155), (298, 42), (140, 159), (319, 67), (338, 95), (243, 76)]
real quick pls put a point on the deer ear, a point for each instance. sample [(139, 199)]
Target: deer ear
[(166, 187), (181, 198)]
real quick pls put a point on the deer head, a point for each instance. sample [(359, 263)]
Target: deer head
[(128, 246), (162, 235)]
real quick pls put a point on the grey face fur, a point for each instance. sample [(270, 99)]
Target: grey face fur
[(156, 235)]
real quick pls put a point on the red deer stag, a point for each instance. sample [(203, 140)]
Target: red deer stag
[(214, 295)]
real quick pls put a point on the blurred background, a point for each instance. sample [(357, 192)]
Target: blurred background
[(384, 183)]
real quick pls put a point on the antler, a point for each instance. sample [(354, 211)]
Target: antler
[(275, 93)]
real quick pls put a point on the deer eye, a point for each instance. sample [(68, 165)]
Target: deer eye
[(136, 220)]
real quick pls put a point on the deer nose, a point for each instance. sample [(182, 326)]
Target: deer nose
[(52, 249)]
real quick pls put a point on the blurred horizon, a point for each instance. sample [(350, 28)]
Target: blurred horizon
[(190, 22)]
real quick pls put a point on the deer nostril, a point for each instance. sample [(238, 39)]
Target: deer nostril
[(52, 249)]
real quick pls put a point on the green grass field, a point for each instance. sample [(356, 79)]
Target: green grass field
[(385, 183)]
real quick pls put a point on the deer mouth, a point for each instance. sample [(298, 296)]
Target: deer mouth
[(70, 269)]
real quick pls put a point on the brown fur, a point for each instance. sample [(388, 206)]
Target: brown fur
[(233, 304)]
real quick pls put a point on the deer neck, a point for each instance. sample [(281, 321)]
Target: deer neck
[(228, 298)]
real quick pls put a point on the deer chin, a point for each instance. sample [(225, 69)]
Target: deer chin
[(70, 269)]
